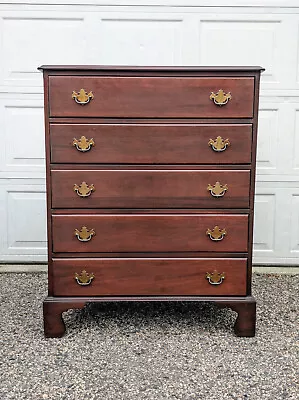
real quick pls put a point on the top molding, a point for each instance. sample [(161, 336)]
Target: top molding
[(147, 68)]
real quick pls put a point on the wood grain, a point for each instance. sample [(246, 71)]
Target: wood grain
[(149, 233), (150, 189), (151, 144), (151, 97), (149, 276)]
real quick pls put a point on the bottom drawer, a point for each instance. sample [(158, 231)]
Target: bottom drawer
[(149, 276)]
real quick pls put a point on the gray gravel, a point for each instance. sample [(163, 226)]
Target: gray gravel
[(149, 350)]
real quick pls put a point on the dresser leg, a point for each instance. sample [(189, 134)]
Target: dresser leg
[(54, 326), (245, 322)]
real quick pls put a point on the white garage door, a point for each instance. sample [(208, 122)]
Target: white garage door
[(156, 33)]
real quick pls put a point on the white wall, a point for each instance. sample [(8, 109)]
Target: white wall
[(156, 33)]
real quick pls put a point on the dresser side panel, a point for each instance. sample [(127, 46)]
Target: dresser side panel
[(48, 181), (253, 179)]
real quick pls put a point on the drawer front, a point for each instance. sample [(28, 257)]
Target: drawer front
[(113, 277), (151, 144), (150, 188), (150, 233), (150, 97)]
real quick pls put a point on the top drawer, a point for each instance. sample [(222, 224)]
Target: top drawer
[(151, 97)]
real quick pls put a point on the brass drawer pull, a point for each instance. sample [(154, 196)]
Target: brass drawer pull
[(215, 278), (83, 144), (219, 144), (84, 190), (220, 98), (84, 235), (82, 97), (217, 190), (216, 234), (84, 279)]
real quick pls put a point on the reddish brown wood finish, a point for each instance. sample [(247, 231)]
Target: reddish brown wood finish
[(54, 307), (48, 182), (151, 144), (54, 326), (149, 277), (149, 119), (150, 189), (151, 97), (149, 233), (252, 187), (246, 320)]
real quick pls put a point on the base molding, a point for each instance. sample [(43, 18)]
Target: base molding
[(53, 307)]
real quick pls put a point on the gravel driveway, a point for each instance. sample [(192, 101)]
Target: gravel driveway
[(150, 350)]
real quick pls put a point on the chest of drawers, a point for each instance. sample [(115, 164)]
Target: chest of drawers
[(150, 186)]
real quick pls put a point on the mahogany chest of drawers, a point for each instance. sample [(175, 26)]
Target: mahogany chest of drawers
[(150, 186)]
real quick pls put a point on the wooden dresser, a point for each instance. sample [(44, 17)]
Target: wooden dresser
[(150, 186)]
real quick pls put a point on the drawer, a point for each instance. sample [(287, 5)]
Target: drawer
[(150, 276), (151, 144), (150, 97), (150, 233), (157, 188)]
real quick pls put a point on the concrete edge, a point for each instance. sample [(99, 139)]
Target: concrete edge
[(281, 270), (23, 268), (37, 268)]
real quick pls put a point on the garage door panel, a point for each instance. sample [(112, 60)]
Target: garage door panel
[(22, 137), (108, 33), (142, 39), (23, 233), (55, 38), (260, 35)]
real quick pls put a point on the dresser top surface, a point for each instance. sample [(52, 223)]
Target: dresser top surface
[(94, 68)]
